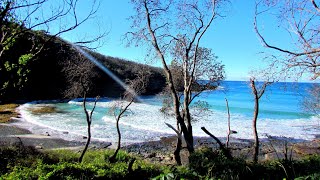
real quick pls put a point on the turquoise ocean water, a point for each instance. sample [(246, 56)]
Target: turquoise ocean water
[(281, 114)]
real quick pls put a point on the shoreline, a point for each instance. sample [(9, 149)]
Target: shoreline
[(159, 150), (18, 130)]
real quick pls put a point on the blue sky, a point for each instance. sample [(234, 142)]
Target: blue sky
[(231, 38)]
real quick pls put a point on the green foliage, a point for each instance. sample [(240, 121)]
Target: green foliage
[(19, 162), (208, 163), (9, 66), (63, 155), (212, 164), (23, 59), (178, 172), (9, 42), (315, 176)]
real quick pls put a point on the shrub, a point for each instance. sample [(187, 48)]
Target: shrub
[(19, 162)]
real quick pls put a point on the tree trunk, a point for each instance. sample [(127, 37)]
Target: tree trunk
[(255, 132), (88, 118), (176, 153), (113, 157), (87, 143), (189, 139), (176, 102), (189, 134), (229, 129)]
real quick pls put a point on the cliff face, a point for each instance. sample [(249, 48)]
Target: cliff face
[(44, 77)]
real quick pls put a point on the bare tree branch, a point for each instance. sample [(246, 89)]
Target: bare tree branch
[(315, 5), (301, 20), (225, 151)]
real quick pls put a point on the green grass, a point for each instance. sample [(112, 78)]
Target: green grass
[(19, 162)]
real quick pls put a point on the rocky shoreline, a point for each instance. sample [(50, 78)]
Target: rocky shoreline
[(162, 150), (270, 149)]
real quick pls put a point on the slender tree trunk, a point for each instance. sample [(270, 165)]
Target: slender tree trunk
[(176, 102), (187, 117), (255, 132), (257, 95), (229, 129), (89, 120), (1, 52), (113, 157), (118, 117), (87, 143), (88, 129)]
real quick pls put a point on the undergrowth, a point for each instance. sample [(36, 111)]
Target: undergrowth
[(19, 162)]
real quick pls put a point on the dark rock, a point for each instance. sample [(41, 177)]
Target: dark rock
[(151, 155), (107, 145)]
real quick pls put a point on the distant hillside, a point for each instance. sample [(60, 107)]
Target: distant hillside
[(45, 80)]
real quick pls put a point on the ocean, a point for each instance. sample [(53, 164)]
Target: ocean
[(281, 114)]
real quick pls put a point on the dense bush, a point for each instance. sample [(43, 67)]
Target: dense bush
[(21, 162), (213, 164)]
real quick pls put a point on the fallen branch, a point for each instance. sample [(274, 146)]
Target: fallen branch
[(175, 130), (224, 150)]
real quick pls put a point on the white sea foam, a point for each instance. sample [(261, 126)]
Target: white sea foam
[(145, 122)]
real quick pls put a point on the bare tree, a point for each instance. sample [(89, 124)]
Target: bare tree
[(118, 114), (174, 30), (300, 19), (89, 121), (19, 16), (257, 91), (136, 86), (80, 73)]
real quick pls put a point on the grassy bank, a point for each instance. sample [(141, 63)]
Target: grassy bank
[(19, 162), (7, 111)]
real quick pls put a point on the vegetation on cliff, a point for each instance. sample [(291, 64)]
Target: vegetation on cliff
[(41, 77)]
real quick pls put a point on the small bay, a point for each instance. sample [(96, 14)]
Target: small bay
[(281, 114)]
